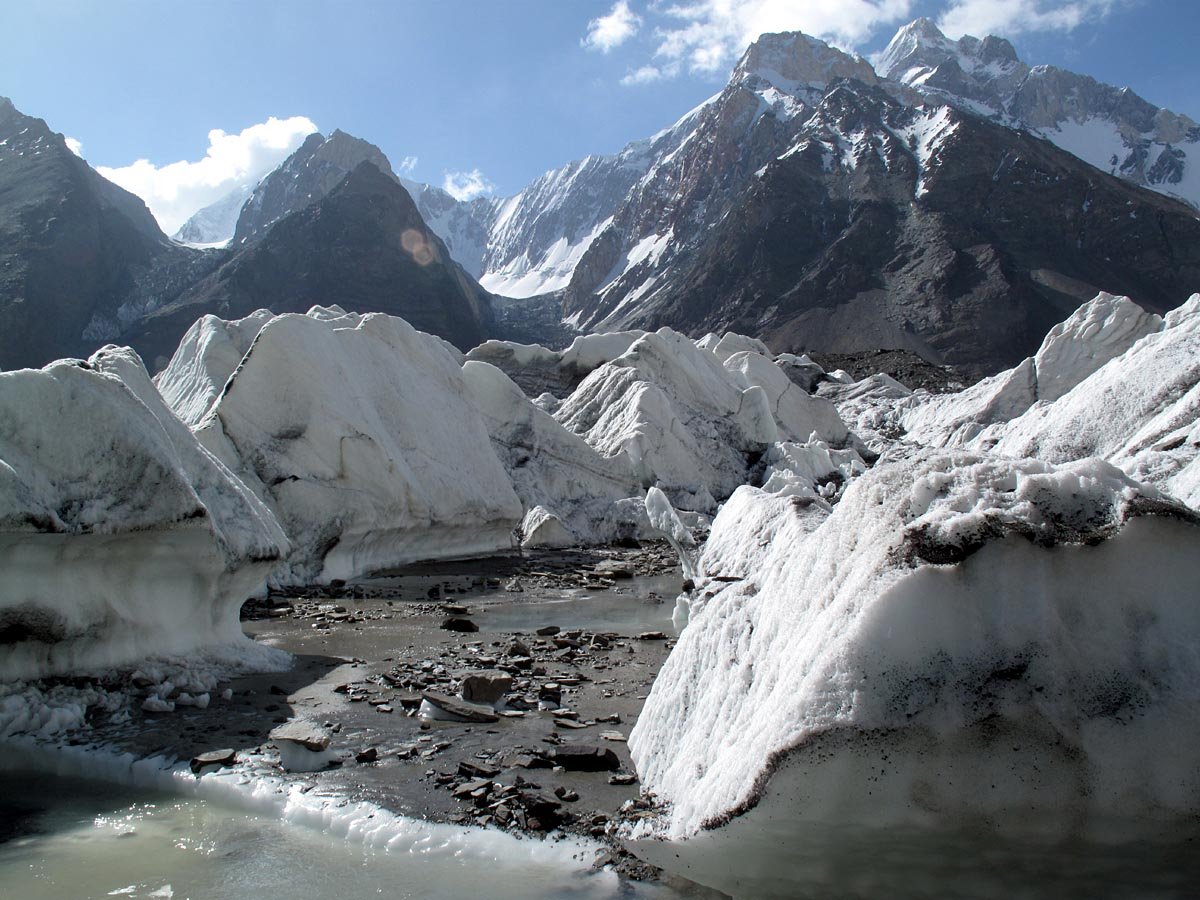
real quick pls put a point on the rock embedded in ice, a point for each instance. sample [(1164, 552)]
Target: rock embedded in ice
[(486, 686), (964, 638), (306, 734), (304, 746), (213, 758)]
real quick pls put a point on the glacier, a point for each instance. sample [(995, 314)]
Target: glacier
[(120, 534)]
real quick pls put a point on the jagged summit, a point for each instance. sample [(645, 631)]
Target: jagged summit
[(791, 60), (1112, 128)]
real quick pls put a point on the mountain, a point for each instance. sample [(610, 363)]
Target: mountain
[(76, 251), (305, 177), (825, 205), (1112, 128), (363, 246), (215, 223), (834, 216)]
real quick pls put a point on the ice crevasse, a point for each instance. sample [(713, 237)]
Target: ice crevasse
[(963, 638)]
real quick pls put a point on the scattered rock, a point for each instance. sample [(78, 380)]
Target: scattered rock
[(469, 769), (370, 755), (479, 788), (548, 630), (622, 778), (459, 623), (651, 636), (612, 568)]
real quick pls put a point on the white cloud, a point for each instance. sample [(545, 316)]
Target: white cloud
[(406, 165), (613, 30), (467, 185), (74, 145), (1009, 17), (709, 35), (648, 75), (177, 190)]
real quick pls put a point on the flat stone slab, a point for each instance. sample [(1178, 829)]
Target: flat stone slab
[(586, 758), (460, 709), (308, 735), (222, 758)]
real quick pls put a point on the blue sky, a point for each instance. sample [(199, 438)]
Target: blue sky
[(505, 89)]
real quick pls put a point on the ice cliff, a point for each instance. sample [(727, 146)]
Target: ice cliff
[(964, 638), (120, 535)]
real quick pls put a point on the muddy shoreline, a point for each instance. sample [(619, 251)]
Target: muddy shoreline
[(366, 653)]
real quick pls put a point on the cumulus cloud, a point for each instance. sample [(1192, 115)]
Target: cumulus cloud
[(177, 190), (1009, 17), (708, 35), (74, 145), (467, 185), (612, 30), (406, 165)]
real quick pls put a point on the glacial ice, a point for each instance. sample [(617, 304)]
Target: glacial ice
[(1100, 330), (550, 467), (964, 638), (1140, 410), (688, 424), (359, 433), (119, 534)]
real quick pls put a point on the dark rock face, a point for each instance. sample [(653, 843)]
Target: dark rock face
[(364, 247), (304, 178), (74, 248), (845, 220)]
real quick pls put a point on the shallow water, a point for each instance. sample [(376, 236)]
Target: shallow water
[(638, 604), (71, 838), (913, 862)]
